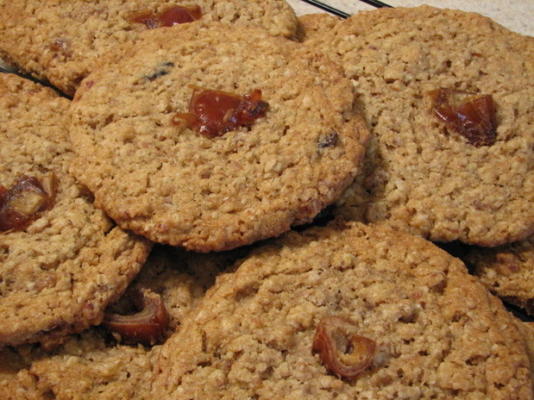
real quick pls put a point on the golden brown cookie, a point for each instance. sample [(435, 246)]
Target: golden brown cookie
[(287, 150), (348, 311), (93, 365), (507, 271), (62, 261), (63, 40), (447, 95)]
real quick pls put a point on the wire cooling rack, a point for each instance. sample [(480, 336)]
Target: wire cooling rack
[(339, 13)]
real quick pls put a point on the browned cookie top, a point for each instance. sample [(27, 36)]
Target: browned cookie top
[(440, 162), (64, 262), (62, 40), (93, 365), (160, 171), (347, 312)]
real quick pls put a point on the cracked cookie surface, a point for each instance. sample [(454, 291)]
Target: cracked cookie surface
[(62, 40), (438, 333), (174, 185), (58, 273), (93, 364), (419, 173)]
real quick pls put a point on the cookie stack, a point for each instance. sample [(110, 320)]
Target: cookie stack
[(222, 201)]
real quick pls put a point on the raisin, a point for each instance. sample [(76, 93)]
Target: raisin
[(328, 140), (161, 70)]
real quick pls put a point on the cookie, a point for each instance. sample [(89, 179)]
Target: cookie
[(62, 41), (526, 328), (312, 25), (62, 261), (215, 180), (346, 311), (417, 72), (84, 368), (94, 366), (507, 271)]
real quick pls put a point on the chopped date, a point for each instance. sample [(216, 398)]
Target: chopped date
[(23, 202), (214, 112), (342, 352), (146, 326), (169, 17), (473, 118)]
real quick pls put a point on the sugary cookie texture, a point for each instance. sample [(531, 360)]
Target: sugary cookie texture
[(63, 40), (508, 271), (214, 136), (62, 261), (448, 98), (94, 365), (348, 311)]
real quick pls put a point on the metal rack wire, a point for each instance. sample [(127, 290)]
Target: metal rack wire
[(339, 13)]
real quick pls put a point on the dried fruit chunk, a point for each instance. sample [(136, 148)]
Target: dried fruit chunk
[(473, 118), (163, 69), (342, 352), (22, 202), (329, 140), (213, 112), (169, 17), (146, 326)]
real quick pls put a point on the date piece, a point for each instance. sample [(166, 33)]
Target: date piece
[(23, 202), (212, 113), (169, 17), (342, 352), (473, 118), (146, 326)]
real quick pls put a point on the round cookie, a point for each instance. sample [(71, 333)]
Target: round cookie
[(154, 175), (62, 40), (94, 366), (315, 25), (346, 312), (419, 172), (59, 272), (507, 271)]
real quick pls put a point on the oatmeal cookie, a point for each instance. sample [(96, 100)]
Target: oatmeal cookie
[(62, 40), (94, 366), (215, 180), (62, 261), (507, 271), (348, 311), (448, 98)]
